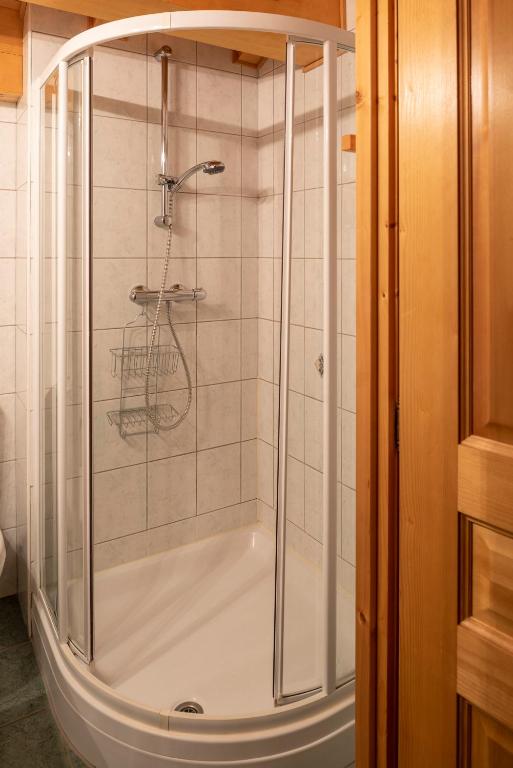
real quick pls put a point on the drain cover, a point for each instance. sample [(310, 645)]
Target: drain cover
[(191, 707)]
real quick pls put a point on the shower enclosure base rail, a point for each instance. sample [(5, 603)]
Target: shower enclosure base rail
[(108, 730)]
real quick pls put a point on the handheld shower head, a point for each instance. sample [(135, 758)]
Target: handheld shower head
[(209, 166), (213, 166), (172, 184)]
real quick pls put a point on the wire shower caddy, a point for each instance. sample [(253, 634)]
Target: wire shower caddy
[(129, 363)]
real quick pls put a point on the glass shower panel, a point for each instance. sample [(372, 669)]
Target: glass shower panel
[(306, 548), (77, 339), (302, 649), (48, 237), (346, 367)]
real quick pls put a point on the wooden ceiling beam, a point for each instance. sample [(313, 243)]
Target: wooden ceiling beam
[(11, 52), (262, 45)]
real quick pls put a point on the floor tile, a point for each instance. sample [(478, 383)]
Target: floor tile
[(21, 688), (34, 741), (12, 626)]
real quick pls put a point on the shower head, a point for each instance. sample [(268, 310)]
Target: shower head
[(209, 166), (213, 166)]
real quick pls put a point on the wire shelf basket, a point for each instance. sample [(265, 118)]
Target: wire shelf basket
[(136, 421), (132, 362)]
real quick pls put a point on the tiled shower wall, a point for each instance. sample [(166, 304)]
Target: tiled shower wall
[(153, 491)]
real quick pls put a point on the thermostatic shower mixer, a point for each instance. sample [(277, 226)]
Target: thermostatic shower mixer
[(139, 294)]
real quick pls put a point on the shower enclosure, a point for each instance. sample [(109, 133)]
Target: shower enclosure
[(195, 465)]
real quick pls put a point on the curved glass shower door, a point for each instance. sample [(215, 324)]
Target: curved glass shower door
[(65, 354), (314, 648)]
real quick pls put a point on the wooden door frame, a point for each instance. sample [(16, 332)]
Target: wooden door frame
[(428, 364), (376, 462)]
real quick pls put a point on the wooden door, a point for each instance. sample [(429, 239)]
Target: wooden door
[(456, 383), (485, 453)]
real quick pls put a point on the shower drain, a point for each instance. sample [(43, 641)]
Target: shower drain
[(191, 707)]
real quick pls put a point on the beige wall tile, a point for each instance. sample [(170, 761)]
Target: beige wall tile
[(313, 503), (265, 479), (119, 153), (219, 352), (173, 535), (249, 409), (7, 223), (313, 348), (120, 79), (218, 58), (313, 433), (296, 492), (218, 521), (349, 449), (216, 88), (7, 298), (248, 470), (219, 414), (219, 230), (7, 495), (349, 296), (112, 281), (348, 221), (348, 524), (119, 217), (8, 347), (119, 502), (171, 489), (313, 153), (250, 289), (249, 220), (349, 373), (249, 351), (265, 411), (8, 156), (109, 554), (218, 478), (314, 292), (8, 577), (7, 427), (250, 87), (221, 278)]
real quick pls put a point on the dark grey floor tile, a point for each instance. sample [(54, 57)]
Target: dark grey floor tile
[(12, 627), (21, 688), (33, 741)]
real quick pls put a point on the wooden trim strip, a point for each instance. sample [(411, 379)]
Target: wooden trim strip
[(366, 386), (485, 669), (485, 481)]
